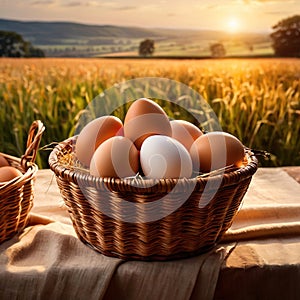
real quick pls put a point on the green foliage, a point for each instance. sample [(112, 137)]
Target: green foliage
[(13, 45), (35, 52), (217, 50), (256, 100), (286, 37), (146, 47)]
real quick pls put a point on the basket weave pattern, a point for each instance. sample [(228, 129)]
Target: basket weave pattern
[(16, 196), (187, 231)]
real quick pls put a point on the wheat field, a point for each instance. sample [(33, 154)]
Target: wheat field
[(257, 100)]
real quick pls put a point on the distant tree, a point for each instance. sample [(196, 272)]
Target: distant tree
[(249, 46), (217, 50), (286, 37), (146, 47), (13, 45), (35, 52)]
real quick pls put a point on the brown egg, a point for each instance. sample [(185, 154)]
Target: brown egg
[(216, 150), (3, 161), (8, 173), (115, 157), (185, 132), (95, 133), (143, 119)]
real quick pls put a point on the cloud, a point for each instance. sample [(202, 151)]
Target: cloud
[(218, 5), (125, 8), (279, 13), (73, 4), (43, 2), (108, 5), (211, 6), (266, 1), (104, 4)]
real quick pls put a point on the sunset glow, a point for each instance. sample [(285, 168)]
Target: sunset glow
[(229, 15), (233, 25)]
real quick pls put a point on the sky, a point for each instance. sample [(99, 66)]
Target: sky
[(229, 15)]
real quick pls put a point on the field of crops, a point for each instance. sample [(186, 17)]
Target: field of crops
[(258, 100)]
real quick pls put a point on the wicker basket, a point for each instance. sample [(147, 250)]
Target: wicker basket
[(16, 196), (96, 206)]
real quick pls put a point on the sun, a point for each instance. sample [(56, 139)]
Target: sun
[(233, 25)]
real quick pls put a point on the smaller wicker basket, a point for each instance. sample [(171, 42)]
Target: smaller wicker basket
[(97, 205), (16, 196)]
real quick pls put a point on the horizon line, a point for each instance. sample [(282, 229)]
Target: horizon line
[(132, 26)]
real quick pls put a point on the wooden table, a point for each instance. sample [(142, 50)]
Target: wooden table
[(259, 258)]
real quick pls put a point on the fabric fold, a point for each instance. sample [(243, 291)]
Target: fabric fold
[(262, 231), (190, 278), (49, 262), (264, 222)]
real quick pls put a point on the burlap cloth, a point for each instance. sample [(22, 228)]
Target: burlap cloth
[(47, 261)]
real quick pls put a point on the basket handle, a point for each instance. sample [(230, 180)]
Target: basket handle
[(33, 141)]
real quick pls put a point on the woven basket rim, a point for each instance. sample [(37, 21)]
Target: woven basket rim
[(26, 163), (140, 185), (27, 173)]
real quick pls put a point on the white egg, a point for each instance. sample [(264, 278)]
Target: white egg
[(164, 157)]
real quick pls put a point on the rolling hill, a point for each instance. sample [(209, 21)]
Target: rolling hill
[(47, 33), (76, 39)]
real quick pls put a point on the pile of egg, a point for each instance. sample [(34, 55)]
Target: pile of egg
[(7, 172), (150, 144)]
